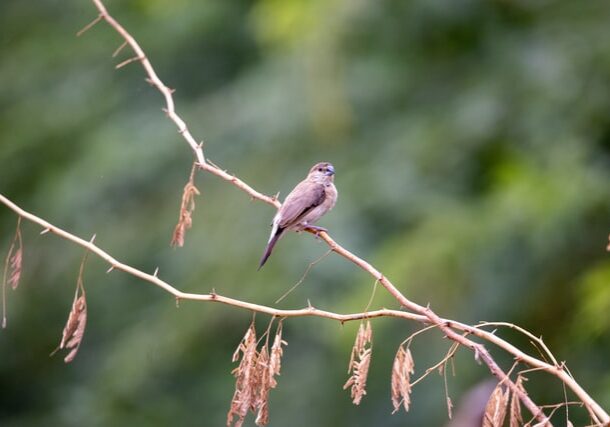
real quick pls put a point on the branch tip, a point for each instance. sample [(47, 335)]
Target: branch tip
[(119, 49), (89, 25), (129, 61)]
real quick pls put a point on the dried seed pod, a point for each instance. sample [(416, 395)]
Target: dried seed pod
[(245, 374), (187, 206), (359, 363), (516, 419), (74, 330), (495, 411), (402, 369)]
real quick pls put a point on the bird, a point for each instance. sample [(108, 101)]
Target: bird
[(306, 203)]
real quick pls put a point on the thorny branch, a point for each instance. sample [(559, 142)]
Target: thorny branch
[(455, 331)]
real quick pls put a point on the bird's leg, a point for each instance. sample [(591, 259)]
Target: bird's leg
[(314, 229)]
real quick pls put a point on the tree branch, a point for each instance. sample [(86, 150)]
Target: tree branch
[(597, 412), (416, 312)]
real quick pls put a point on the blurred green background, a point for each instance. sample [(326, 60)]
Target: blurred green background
[(471, 141)]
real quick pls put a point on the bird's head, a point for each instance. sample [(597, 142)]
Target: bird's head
[(322, 172)]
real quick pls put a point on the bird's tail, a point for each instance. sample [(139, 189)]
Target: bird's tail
[(270, 246)]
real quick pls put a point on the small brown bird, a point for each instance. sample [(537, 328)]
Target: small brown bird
[(310, 199)]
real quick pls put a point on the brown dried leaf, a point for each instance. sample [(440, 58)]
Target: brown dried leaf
[(516, 419), (246, 378), (255, 377), (74, 330), (12, 267), (449, 407), (402, 369), (275, 361), (187, 206), (360, 361), (363, 337), (357, 381), (263, 385), (495, 411), (15, 268)]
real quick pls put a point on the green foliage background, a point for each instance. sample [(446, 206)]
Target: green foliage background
[(471, 141)]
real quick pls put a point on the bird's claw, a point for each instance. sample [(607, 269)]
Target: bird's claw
[(316, 230)]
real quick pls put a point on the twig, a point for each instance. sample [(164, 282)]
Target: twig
[(309, 267), (153, 79), (212, 296), (119, 49), (129, 61), (535, 339), (89, 25), (368, 305), (433, 368)]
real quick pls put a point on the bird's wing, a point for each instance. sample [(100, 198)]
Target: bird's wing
[(305, 196)]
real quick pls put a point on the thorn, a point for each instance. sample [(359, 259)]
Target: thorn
[(129, 61), (118, 49), (149, 81), (92, 238), (181, 131), (309, 306), (89, 25), (45, 231), (110, 269), (177, 302), (156, 272), (213, 293)]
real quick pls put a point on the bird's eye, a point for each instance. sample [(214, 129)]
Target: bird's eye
[(319, 169)]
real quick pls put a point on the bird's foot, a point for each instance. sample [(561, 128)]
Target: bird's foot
[(314, 229)]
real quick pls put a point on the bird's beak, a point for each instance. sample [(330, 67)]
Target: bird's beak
[(330, 171)]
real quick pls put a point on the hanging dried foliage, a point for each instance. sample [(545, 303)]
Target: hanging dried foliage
[(72, 335), (359, 363), (402, 369), (495, 411), (255, 377), (187, 206), (12, 267)]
